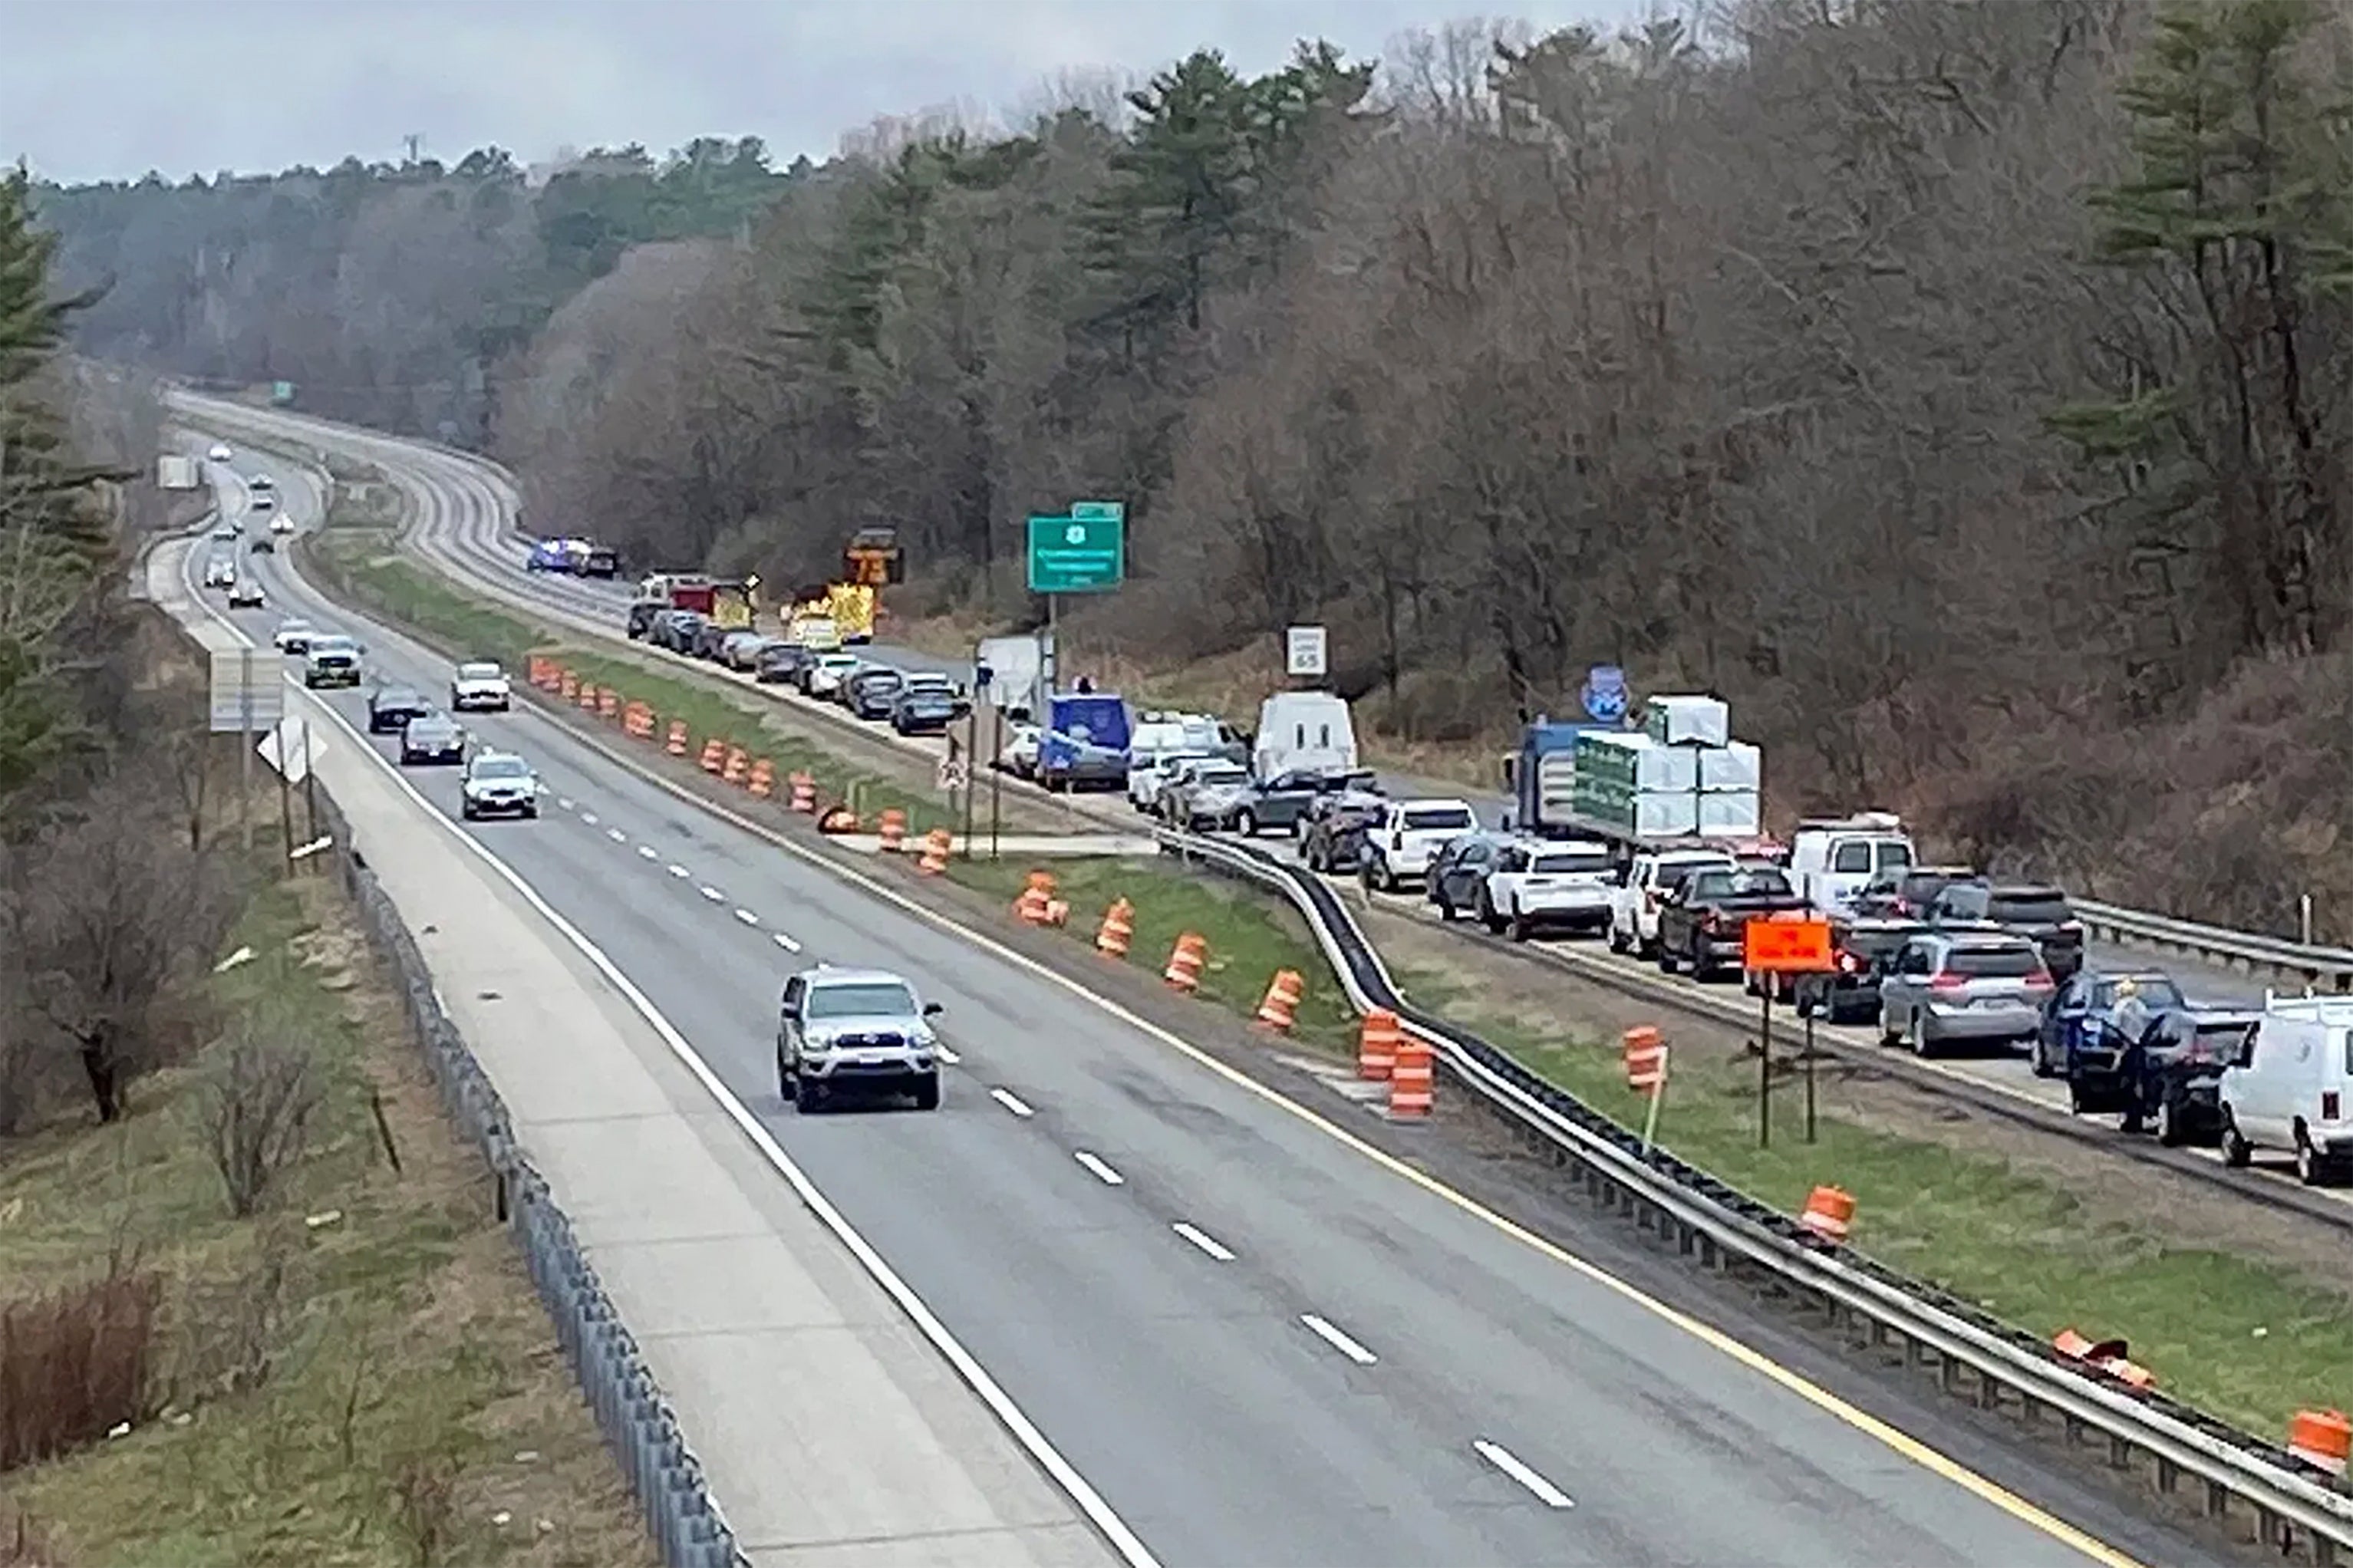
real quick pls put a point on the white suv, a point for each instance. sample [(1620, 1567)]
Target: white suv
[(1634, 905), (1537, 884), (482, 685), (843, 1031), (1410, 834), (499, 784)]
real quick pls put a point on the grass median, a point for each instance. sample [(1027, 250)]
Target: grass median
[(2250, 1343), (358, 566), (360, 1372)]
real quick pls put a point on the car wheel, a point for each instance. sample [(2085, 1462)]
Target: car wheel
[(2168, 1123), (784, 1078), (1246, 824), (1915, 1037), (2311, 1168), (530, 811), (806, 1097), (1667, 961), (1888, 1035), (467, 811), (927, 1093), (2236, 1149), (1520, 930)]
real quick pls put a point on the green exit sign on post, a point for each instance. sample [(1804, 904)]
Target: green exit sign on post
[(1084, 552)]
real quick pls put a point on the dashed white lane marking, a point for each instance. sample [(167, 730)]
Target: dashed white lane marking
[(1323, 1329), (616, 836), (646, 852), (747, 917), (714, 894), (943, 1053), (781, 940), (564, 802), (1203, 1240), (678, 870), (1103, 1173), (1502, 1459), (589, 817), (1011, 1101)]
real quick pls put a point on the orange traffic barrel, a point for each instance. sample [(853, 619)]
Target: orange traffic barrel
[(637, 720), (608, 704), (1118, 929), (894, 831), (763, 782), (804, 792), (1412, 1080), (935, 853), (567, 686), (2321, 1437), (737, 761), (1279, 1007), (1186, 962), (714, 754), (676, 745), (2111, 1356), (588, 696), (1030, 907), (1377, 1044), (1830, 1215), (1646, 1059), (541, 670)]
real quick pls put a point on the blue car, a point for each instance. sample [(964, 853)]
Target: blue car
[(550, 555), (2091, 1020)]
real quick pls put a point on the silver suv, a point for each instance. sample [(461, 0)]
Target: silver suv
[(1977, 986), (853, 1029)]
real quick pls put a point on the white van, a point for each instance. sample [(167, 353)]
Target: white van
[(1303, 732), (2292, 1087), (1160, 738), (1832, 859)]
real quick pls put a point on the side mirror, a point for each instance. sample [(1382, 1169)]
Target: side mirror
[(932, 1009)]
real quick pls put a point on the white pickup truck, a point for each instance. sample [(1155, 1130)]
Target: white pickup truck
[(1410, 833), (1537, 884), (1634, 905), (480, 684)]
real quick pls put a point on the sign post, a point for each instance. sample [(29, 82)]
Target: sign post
[(247, 692), (1770, 948)]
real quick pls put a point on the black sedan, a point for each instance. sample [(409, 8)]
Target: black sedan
[(922, 710), (390, 707), (1282, 801), (432, 739), (780, 664), (873, 693)]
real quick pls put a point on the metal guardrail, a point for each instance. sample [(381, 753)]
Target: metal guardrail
[(2295, 1508), (2250, 951), (681, 1515)]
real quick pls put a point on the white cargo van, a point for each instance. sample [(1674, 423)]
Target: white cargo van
[(1832, 859), (1303, 732), (2292, 1087)]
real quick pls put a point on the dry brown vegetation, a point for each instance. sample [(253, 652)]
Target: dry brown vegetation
[(1956, 388)]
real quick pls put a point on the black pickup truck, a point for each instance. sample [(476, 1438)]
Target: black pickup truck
[(1700, 922), (1863, 946)]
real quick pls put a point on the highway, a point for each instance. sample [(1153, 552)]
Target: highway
[(1259, 1343)]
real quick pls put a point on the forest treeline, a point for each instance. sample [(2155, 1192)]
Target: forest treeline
[(388, 293), (1958, 389)]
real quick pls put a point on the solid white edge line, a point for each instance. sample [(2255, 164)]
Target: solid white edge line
[(1505, 1461), (781, 940), (1323, 1329), (1082, 1493), (1204, 1240), (1011, 1101), (1102, 1172), (747, 917)]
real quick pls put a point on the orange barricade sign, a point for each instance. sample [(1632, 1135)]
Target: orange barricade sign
[(1787, 947)]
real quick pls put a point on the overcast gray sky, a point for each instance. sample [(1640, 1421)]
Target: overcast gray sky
[(109, 89)]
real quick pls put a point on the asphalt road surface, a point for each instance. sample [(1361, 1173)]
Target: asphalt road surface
[(1259, 1344)]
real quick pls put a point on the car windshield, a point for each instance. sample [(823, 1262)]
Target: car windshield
[(1439, 818), (862, 999), (2037, 906), (399, 696), (1740, 885), (1559, 864), (502, 768), (1673, 873), (1992, 963), (286, 627), (430, 725), (1223, 774), (2155, 990), (479, 672)]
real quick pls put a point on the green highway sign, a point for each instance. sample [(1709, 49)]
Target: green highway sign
[(1078, 554)]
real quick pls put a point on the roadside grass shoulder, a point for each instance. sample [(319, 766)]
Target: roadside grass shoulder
[(362, 1373), (2250, 1343), (460, 625)]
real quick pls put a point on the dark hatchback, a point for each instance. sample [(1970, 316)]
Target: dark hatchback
[(873, 693), (780, 664), (2173, 1076), (432, 739), (922, 710), (390, 707)]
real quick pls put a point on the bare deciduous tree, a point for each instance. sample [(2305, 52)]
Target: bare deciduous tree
[(258, 1116)]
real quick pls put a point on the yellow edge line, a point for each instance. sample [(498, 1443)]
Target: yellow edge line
[(1821, 1398)]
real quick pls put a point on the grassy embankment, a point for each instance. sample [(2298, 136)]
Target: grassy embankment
[(2250, 1343), (357, 563), (361, 1374)]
